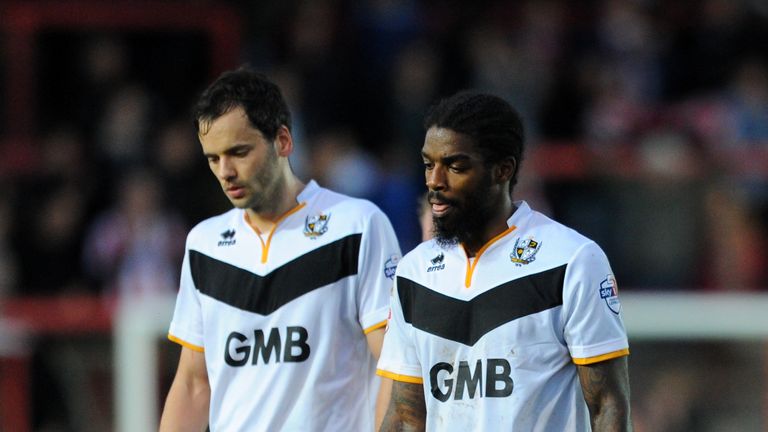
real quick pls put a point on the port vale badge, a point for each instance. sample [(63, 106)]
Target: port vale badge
[(524, 251), (315, 226)]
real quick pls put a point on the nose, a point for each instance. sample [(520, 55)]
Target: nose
[(225, 169), (435, 178)]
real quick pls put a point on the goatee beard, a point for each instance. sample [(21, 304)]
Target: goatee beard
[(465, 225)]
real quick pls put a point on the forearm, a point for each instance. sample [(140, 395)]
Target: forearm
[(382, 401), (611, 417), (606, 391), (186, 408), (407, 411)]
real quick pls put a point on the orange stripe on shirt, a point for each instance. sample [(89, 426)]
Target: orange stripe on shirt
[(603, 357), (375, 327), (398, 377), (185, 343)]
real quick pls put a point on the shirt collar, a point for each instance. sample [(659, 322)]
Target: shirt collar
[(309, 191), (520, 215)]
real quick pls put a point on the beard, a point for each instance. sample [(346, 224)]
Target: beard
[(265, 187), (268, 195), (468, 221)]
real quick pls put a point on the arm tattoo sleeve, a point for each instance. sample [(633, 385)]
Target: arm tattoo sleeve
[(606, 391), (407, 410)]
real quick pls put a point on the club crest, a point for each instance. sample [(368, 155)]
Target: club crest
[(525, 251), (315, 226)]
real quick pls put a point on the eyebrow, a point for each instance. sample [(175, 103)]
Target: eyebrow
[(447, 160), (235, 148)]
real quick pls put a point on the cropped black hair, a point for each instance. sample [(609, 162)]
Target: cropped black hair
[(494, 126), (260, 98)]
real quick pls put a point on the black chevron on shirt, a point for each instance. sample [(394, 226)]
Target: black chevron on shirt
[(265, 294), (467, 321)]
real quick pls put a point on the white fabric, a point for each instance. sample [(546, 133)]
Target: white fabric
[(540, 348), (334, 388)]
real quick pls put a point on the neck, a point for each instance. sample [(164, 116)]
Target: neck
[(286, 199), (495, 226)]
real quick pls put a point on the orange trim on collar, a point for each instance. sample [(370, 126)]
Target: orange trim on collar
[(471, 265), (265, 246)]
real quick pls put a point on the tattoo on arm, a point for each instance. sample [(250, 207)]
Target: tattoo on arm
[(407, 409), (606, 391)]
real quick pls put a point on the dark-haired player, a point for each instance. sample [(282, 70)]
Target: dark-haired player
[(506, 320), (283, 299)]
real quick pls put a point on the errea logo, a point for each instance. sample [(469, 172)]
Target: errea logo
[(437, 263), (227, 238)]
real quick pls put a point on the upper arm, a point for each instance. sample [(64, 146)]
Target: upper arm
[(606, 391), (192, 366), (407, 410), (375, 339), (378, 258)]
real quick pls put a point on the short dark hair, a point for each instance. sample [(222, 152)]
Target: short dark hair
[(260, 98), (495, 127)]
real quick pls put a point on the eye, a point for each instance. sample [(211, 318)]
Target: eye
[(242, 152), (428, 165), (213, 159), (457, 168)]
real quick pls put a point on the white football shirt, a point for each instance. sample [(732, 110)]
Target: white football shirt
[(494, 339), (282, 316)]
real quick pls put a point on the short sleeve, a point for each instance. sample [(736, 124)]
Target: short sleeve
[(593, 329), (187, 324), (379, 256), (399, 360)]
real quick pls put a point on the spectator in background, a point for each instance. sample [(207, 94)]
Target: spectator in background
[(185, 190), (737, 242), (746, 101), (340, 162), (415, 84), (516, 61), (8, 260), (124, 126), (51, 214), (134, 248)]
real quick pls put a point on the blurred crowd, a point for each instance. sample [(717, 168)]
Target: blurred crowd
[(666, 102), (662, 105)]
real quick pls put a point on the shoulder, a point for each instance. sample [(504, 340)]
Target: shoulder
[(412, 262), (555, 236), (359, 206), (347, 209)]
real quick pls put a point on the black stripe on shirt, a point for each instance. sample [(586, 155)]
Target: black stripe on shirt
[(467, 321), (265, 294)]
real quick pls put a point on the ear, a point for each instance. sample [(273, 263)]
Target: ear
[(283, 142), (504, 170)]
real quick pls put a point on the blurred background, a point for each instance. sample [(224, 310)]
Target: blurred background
[(647, 126)]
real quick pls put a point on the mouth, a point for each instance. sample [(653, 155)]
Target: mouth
[(235, 192), (440, 207)]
